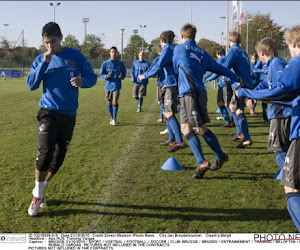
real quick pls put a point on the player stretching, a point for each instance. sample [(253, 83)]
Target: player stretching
[(289, 86), (168, 79), (224, 89), (190, 63), (62, 71), (280, 116), (238, 60)]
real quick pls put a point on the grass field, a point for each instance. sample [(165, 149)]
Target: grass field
[(111, 179)]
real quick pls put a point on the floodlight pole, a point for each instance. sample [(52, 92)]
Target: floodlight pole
[(247, 40), (191, 14), (5, 25), (143, 27), (222, 33), (54, 6), (122, 34), (85, 20), (227, 25)]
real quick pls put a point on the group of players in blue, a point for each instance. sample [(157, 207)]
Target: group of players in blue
[(181, 71)]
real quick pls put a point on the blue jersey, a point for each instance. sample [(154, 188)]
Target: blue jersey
[(238, 59), (58, 93), (190, 63), (255, 77), (115, 68), (139, 68), (275, 68), (288, 84), (261, 69), (209, 76), (159, 81), (165, 67)]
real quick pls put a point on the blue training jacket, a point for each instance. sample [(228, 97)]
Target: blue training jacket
[(288, 84), (209, 76), (190, 63), (139, 68), (115, 68), (261, 68), (160, 80), (275, 68), (238, 59), (164, 66), (58, 93), (255, 77)]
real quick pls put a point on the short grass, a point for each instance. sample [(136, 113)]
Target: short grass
[(111, 180)]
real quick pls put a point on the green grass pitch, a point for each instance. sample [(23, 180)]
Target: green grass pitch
[(111, 179)]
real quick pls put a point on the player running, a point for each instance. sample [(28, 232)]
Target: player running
[(139, 67), (113, 72), (62, 70)]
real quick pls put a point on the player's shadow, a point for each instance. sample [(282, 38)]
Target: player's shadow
[(245, 151), (188, 213), (229, 175), (139, 124)]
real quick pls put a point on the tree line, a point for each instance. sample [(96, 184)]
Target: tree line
[(261, 25)]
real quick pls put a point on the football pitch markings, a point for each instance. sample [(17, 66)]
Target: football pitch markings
[(119, 169)]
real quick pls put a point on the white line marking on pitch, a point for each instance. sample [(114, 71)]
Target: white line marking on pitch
[(118, 171)]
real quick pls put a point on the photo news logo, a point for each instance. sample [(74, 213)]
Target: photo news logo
[(277, 238), (12, 238)]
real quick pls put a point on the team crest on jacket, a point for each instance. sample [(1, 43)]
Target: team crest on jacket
[(70, 64)]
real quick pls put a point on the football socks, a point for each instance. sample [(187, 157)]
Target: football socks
[(293, 206), (225, 114), (175, 128), (212, 141), (110, 111), (244, 125), (171, 134), (115, 111), (195, 145)]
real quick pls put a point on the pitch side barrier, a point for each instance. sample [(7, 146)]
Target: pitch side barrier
[(12, 73)]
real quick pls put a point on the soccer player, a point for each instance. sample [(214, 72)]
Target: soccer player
[(262, 69), (112, 71), (280, 116), (62, 70), (238, 60), (160, 90), (168, 79), (224, 89), (139, 67), (288, 86), (255, 81), (190, 63)]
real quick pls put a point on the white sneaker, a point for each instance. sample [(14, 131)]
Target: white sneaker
[(114, 122), (139, 110), (43, 204), (220, 118), (110, 122), (34, 206), (164, 132)]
